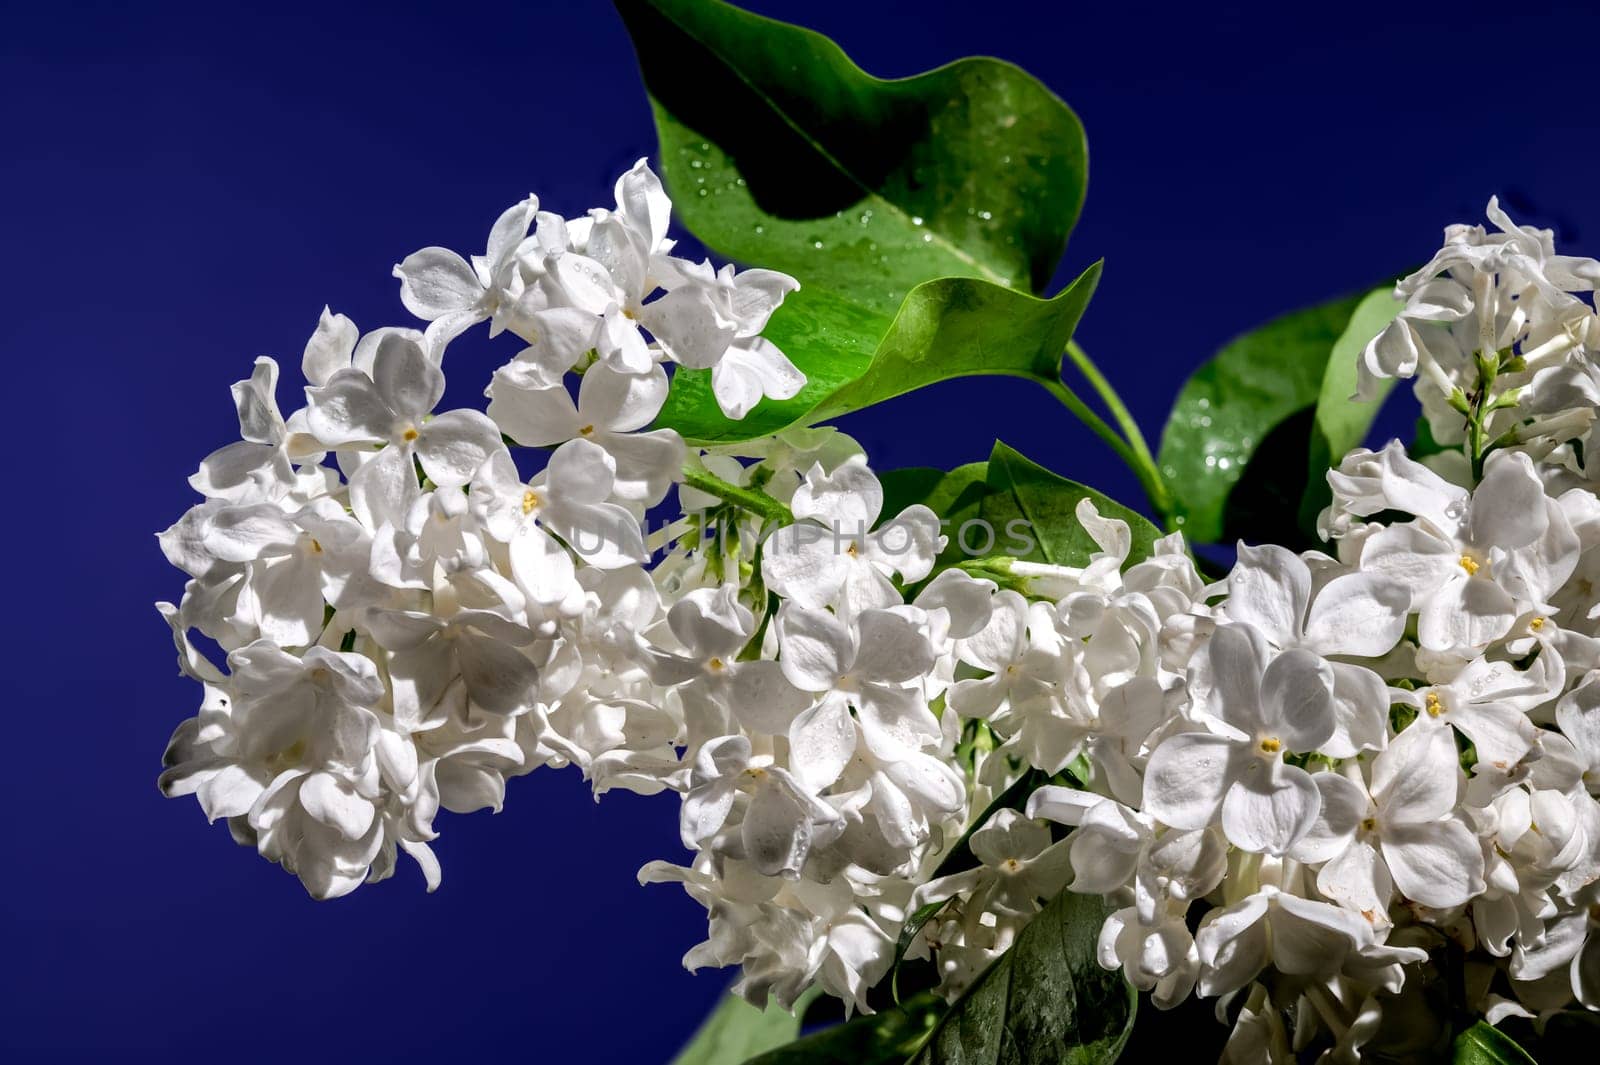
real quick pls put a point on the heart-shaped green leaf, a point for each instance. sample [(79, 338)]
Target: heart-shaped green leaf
[(1046, 505), (1046, 1000), (939, 491), (1011, 507), (919, 214)]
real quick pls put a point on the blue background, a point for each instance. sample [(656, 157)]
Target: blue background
[(182, 187)]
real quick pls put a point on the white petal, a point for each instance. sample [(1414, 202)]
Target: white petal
[(1187, 777), (500, 678), (705, 810), (348, 410), (435, 282), (620, 402), (1238, 656), (1297, 700), (1466, 615), (777, 833), (821, 742), (230, 792), (541, 567), (1344, 805), (815, 648), (1311, 937), (455, 445), (330, 347), (1360, 711), (763, 699), (891, 647), (1359, 880), (332, 802), (407, 380), (580, 471), (1360, 614), (751, 370), (1268, 588), (1233, 945), (1271, 808), (1439, 864), (533, 417), (1416, 779), (848, 500)]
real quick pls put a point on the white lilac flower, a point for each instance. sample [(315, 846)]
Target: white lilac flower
[(1291, 785), (1263, 706), (610, 411), (713, 320), (1475, 563), (833, 557), (1402, 831), (441, 287)]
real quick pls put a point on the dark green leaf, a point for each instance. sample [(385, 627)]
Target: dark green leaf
[(1484, 1044), (939, 491), (1341, 423), (736, 1031), (1017, 509), (773, 141), (1225, 413), (1046, 504), (779, 151), (1045, 1000), (884, 1038)]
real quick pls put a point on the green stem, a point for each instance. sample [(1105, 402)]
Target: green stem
[(1113, 402), (752, 499), (1143, 466)]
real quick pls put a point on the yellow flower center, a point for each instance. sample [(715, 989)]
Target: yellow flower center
[(1470, 564), (410, 435), (1433, 704), (716, 665), (1537, 624), (316, 546), (530, 501), (1270, 745), (587, 430)]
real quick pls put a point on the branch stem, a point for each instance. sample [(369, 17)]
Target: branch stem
[(751, 499)]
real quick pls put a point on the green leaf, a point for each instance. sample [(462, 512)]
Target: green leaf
[(1225, 417), (948, 327), (884, 1038), (1046, 1000), (773, 141), (779, 151), (736, 1031), (1340, 422), (1484, 1044), (1010, 506), (939, 491), (1046, 504)]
